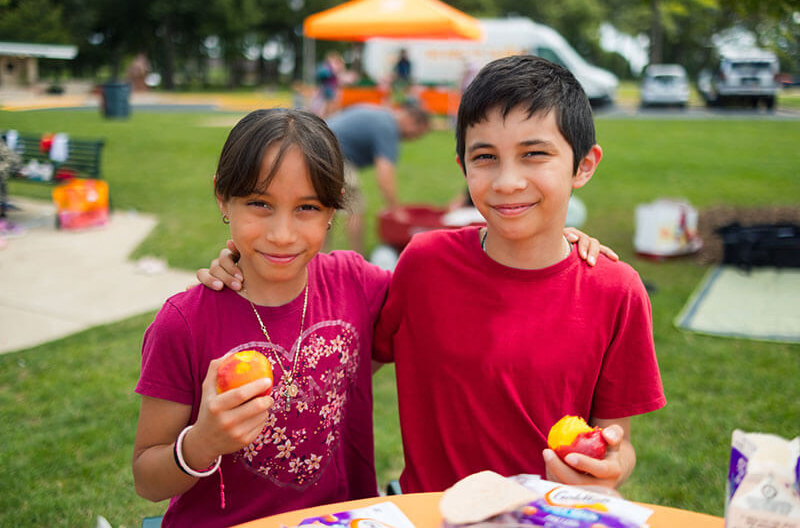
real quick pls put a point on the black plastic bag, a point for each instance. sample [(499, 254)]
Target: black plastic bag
[(776, 245)]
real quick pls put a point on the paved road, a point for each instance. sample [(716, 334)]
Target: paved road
[(176, 102)]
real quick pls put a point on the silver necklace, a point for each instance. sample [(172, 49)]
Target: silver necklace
[(486, 232), (290, 389)]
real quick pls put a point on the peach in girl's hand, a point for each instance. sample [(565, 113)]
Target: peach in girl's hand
[(241, 368), (571, 434)]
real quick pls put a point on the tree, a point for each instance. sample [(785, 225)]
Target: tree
[(180, 29), (36, 21)]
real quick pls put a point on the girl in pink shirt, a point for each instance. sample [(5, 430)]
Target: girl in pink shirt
[(228, 458)]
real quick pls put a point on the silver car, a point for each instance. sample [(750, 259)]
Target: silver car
[(665, 84)]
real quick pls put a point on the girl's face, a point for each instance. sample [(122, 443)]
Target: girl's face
[(278, 232)]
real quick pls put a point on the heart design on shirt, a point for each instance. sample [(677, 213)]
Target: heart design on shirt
[(295, 447)]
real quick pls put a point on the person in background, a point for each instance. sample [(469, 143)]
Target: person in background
[(401, 81), (137, 72), (370, 135), (470, 71), (328, 77)]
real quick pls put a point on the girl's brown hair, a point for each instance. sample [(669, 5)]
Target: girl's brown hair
[(241, 157)]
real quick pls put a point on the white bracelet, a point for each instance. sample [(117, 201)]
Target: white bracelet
[(182, 463)]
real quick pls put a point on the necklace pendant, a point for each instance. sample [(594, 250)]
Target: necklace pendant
[(287, 400), (289, 391)]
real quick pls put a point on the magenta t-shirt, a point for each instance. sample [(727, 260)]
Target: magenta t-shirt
[(318, 452)]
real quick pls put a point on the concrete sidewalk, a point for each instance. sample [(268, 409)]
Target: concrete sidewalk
[(54, 283)]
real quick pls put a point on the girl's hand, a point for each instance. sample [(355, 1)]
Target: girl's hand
[(223, 270), (581, 470), (588, 247), (226, 422)]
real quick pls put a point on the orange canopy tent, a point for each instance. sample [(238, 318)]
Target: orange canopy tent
[(359, 20)]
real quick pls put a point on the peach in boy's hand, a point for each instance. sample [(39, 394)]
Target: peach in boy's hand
[(241, 368), (571, 434)]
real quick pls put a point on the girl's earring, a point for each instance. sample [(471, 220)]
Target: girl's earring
[(330, 224), (225, 219)]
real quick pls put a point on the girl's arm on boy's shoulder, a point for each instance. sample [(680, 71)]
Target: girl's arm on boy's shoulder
[(225, 423), (610, 472)]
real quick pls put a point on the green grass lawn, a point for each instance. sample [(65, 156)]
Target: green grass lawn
[(68, 410)]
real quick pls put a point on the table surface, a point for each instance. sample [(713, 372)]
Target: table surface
[(423, 510)]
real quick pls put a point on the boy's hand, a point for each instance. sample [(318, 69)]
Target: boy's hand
[(588, 247), (223, 270), (580, 470)]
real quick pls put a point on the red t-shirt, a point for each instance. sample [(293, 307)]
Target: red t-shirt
[(489, 357), (321, 451)]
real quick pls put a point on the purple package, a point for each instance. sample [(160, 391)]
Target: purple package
[(561, 506), (540, 513), (736, 471), (380, 515)]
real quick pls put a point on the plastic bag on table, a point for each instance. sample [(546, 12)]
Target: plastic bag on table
[(763, 488), (488, 500)]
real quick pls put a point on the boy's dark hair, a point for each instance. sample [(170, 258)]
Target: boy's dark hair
[(535, 84), (241, 157)]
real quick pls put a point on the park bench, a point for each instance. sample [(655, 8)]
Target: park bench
[(83, 160)]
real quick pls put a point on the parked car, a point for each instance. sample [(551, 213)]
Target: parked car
[(665, 84), (744, 76)]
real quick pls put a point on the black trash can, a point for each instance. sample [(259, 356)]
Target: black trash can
[(116, 99)]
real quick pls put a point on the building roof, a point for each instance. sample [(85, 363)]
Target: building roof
[(46, 51)]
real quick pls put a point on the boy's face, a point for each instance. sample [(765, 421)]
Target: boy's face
[(519, 173)]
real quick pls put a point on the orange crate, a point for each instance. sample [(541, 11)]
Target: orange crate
[(440, 101), (351, 95)]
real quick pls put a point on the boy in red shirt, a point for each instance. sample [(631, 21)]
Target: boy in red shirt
[(498, 332)]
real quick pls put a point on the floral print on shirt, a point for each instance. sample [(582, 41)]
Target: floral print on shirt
[(294, 447)]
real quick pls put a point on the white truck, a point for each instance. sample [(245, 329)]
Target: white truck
[(747, 75), (449, 62)]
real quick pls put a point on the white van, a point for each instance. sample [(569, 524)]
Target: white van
[(448, 62)]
